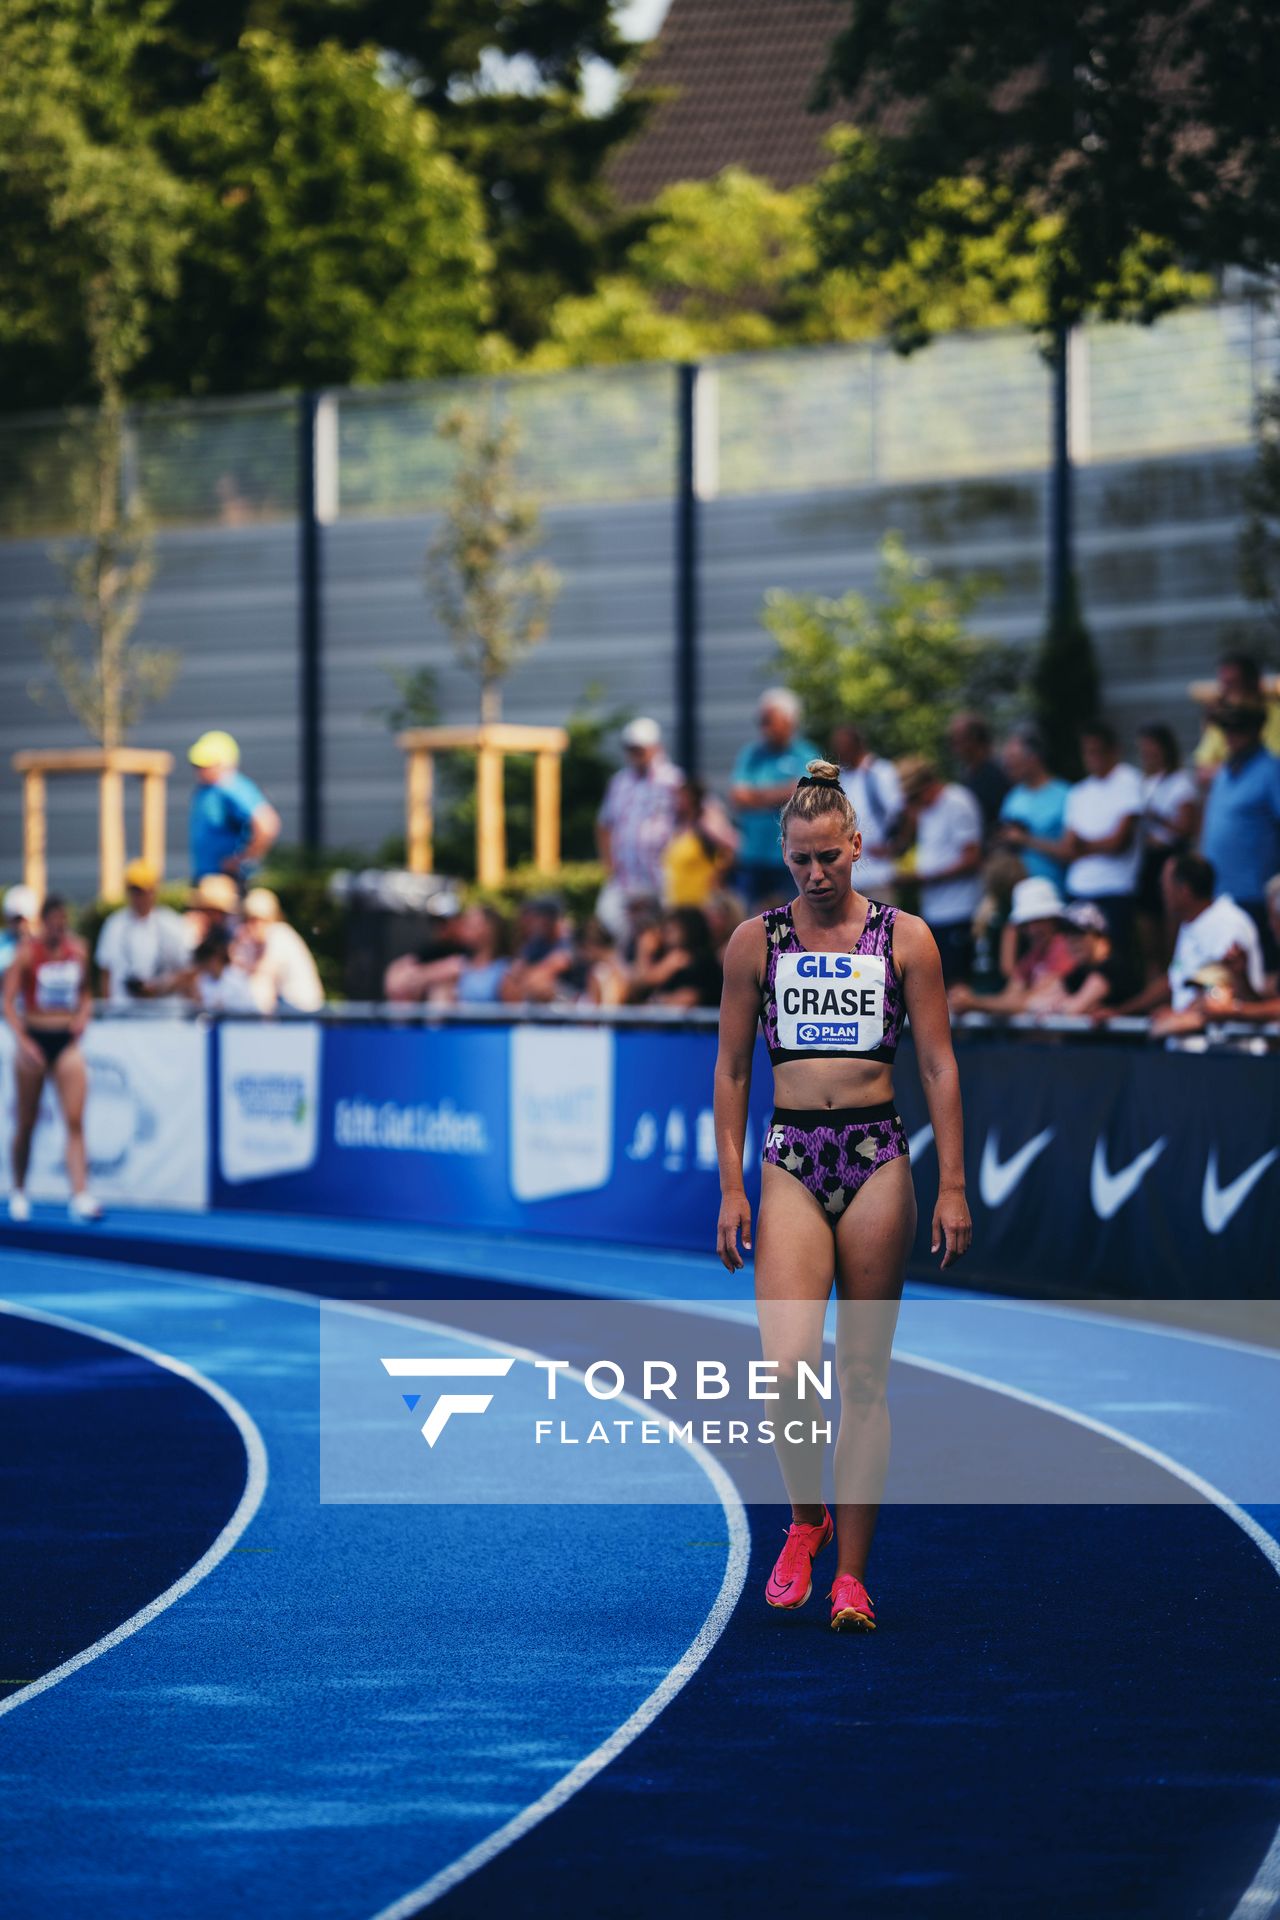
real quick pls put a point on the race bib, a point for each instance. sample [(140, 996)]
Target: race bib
[(58, 986), (830, 1001)]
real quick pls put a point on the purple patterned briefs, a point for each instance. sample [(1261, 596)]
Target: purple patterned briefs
[(834, 1151)]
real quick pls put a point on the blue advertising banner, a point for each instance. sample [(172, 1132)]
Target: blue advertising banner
[(584, 1131), (1089, 1167)]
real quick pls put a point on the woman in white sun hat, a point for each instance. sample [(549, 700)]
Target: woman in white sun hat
[(1035, 952)]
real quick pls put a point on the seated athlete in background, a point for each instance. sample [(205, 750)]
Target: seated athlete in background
[(830, 977)]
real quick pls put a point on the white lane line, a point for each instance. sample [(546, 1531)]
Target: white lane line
[(1259, 1901), (255, 1486), (1261, 1898), (645, 1714), (1068, 1310)]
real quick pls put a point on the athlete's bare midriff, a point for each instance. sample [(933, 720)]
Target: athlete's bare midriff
[(832, 1083)]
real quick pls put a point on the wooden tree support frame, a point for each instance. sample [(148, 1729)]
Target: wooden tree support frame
[(111, 764), (490, 744)]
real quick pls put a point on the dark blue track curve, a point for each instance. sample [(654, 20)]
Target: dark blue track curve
[(116, 1475), (1058, 1686)]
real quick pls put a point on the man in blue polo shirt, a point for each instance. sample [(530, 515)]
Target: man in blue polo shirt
[(1241, 833), (232, 823), (764, 779)]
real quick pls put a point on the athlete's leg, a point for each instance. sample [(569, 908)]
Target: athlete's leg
[(795, 1264), (71, 1079), (30, 1082), (873, 1239)]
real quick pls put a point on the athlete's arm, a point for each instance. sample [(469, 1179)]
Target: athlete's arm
[(739, 1011), (85, 1008), (12, 988), (915, 953)]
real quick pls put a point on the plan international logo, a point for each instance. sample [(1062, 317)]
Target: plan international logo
[(606, 1380)]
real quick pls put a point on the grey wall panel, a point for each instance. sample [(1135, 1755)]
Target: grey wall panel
[(1158, 571)]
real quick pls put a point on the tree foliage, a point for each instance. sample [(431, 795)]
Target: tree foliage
[(900, 662), (1138, 139), (332, 240), (492, 600), (732, 264), (93, 219)]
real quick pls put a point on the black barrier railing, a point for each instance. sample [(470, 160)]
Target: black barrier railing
[(1231, 1036)]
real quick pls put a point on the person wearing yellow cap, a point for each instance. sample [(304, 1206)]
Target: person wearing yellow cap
[(233, 824), (141, 945)]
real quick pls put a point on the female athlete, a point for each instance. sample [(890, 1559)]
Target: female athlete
[(830, 978), (50, 975)]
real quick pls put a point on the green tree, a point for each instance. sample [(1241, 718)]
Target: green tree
[(332, 238), (491, 599), (1109, 154), (900, 662), (93, 219), (91, 205), (501, 81), (732, 264)]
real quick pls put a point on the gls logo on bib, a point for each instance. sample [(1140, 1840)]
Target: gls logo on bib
[(830, 1000)]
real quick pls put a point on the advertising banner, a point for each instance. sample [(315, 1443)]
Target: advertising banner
[(1115, 1170), (146, 1117), (1088, 1167), (561, 1130)]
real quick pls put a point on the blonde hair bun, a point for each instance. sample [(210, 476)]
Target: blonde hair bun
[(822, 770)]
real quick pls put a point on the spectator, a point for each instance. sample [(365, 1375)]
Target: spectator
[(607, 982), (404, 979), (680, 969), (875, 793), (21, 910), (636, 820), (232, 823), (1101, 840), (1234, 996), (948, 855), (700, 850), (1240, 837), (1210, 927), (277, 957), (725, 913), (1038, 952), (1170, 812), (1239, 685), (216, 981), (1001, 872), (764, 779), (969, 738), (142, 947), (544, 956), (1033, 812), (213, 906), (1098, 978)]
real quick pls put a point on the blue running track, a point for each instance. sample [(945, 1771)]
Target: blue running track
[(296, 1709)]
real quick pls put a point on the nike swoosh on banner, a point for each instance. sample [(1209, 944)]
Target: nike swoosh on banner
[(919, 1141), (1218, 1204), (997, 1179), (1109, 1191)]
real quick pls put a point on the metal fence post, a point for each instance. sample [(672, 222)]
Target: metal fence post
[(310, 624), (687, 597)]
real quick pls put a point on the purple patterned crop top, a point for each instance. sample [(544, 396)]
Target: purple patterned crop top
[(824, 1006)]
